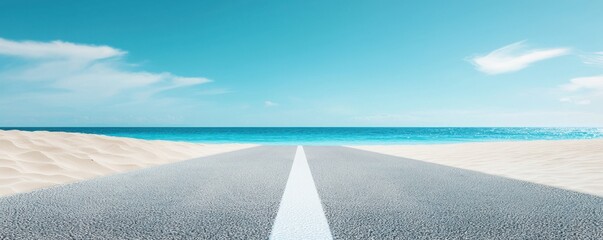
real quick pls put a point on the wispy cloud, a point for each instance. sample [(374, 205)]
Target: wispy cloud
[(57, 50), (576, 101), (583, 90), (595, 58), (270, 103), (514, 57), (84, 71), (594, 83)]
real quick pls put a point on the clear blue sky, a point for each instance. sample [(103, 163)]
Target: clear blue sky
[(301, 63)]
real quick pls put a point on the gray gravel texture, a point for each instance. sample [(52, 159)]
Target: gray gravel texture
[(367, 195), (227, 196)]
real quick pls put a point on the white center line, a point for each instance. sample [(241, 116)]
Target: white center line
[(300, 215)]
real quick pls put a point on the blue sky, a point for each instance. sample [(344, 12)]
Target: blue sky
[(301, 63)]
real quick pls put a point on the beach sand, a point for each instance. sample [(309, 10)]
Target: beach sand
[(34, 160), (569, 164)]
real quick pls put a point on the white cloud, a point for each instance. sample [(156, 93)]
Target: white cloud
[(270, 104), (594, 83), (56, 49), (593, 58), (575, 101), (514, 57), (583, 90), (84, 71)]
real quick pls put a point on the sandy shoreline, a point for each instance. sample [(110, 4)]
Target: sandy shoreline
[(34, 160), (569, 164)]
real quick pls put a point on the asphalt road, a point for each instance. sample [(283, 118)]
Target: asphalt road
[(363, 195), (228, 196), (372, 196)]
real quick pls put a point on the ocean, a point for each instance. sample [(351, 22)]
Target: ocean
[(333, 135)]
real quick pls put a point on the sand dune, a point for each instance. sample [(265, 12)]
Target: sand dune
[(570, 164), (33, 160)]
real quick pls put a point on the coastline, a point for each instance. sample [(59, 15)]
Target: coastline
[(335, 136), (35, 160), (40, 159), (575, 165)]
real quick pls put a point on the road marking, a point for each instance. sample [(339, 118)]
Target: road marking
[(300, 215)]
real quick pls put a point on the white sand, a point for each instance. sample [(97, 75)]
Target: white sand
[(33, 160), (575, 165)]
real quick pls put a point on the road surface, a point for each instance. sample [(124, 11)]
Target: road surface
[(289, 192)]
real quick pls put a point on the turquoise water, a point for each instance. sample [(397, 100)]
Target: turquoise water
[(338, 136)]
